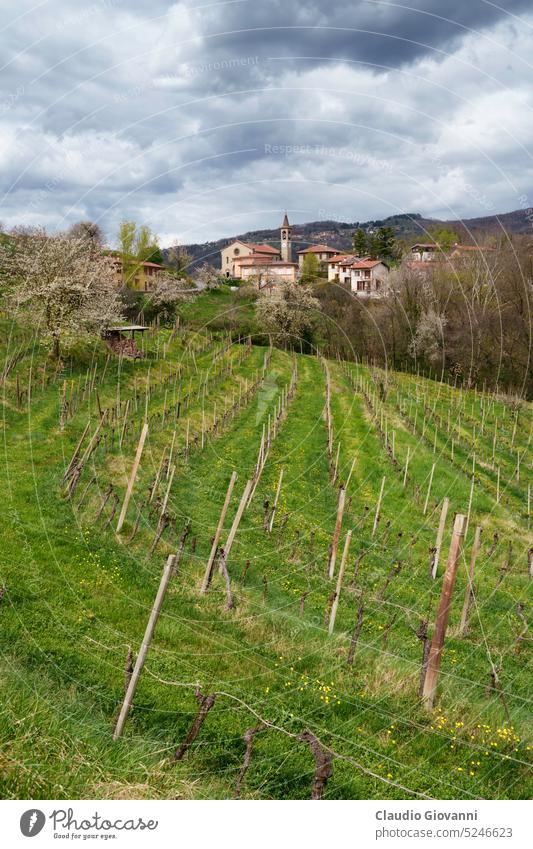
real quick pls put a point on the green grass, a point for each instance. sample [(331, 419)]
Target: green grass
[(218, 309), (76, 596)]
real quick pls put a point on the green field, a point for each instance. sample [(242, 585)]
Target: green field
[(76, 596)]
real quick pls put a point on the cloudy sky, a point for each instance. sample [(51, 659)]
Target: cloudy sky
[(208, 119)]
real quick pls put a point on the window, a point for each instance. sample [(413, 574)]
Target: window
[(236, 251)]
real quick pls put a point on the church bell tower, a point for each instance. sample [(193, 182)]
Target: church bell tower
[(286, 240)]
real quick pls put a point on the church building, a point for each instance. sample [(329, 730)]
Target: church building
[(261, 263)]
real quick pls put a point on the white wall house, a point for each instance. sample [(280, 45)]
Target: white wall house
[(368, 276), (425, 252), (339, 268)]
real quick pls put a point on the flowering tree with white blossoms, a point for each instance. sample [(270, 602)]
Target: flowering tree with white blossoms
[(169, 290), (288, 311), (62, 286), (207, 276)]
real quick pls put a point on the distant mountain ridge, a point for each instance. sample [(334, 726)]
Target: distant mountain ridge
[(339, 234)]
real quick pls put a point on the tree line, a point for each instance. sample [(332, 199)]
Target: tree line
[(64, 285), (468, 319)]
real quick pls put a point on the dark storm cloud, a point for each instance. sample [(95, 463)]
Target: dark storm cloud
[(206, 118), (381, 33)]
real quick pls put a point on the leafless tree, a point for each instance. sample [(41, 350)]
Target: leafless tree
[(88, 231)]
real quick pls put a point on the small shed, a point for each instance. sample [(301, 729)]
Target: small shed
[(128, 328), (122, 339)]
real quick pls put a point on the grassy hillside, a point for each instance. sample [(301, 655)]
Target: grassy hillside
[(76, 596)]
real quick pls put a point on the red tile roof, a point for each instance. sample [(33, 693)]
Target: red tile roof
[(262, 249), (471, 248), (319, 249), (368, 263), (421, 263), (342, 258)]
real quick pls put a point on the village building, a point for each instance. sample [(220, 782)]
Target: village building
[(285, 240), (145, 277), (427, 260), (367, 277), (141, 276), (323, 253), (339, 268), (233, 253), (425, 252), (266, 270), (261, 263)]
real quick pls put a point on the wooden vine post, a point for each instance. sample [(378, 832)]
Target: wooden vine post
[(92, 442), (340, 577), (329, 424), (145, 645), (238, 517), (378, 508), (429, 693), (133, 476), (76, 452), (124, 424), (429, 488), (463, 627), (440, 536), (216, 539), (275, 505), (406, 467), (337, 532), (470, 499)]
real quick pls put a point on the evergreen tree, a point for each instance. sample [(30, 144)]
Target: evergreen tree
[(374, 245), (385, 243), (360, 242)]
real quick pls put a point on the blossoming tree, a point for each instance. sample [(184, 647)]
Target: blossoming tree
[(61, 286)]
